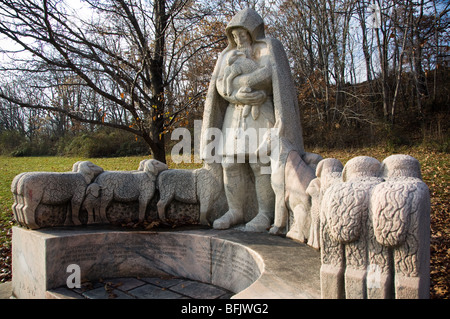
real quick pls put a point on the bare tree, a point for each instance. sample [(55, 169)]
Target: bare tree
[(118, 52)]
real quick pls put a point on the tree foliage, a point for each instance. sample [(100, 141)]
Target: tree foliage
[(112, 63), (365, 68), (369, 67)]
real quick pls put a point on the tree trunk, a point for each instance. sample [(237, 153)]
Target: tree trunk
[(382, 51), (157, 78)]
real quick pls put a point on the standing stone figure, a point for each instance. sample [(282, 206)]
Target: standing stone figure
[(244, 103)]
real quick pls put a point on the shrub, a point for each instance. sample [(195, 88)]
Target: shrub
[(10, 141), (103, 143)]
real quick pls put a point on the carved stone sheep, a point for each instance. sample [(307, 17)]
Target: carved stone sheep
[(400, 209), (328, 172), (123, 186), (92, 203), (202, 186), (312, 159), (290, 179), (298, 175), (237, 64), (50, 188), (18, 199), (345, 208)]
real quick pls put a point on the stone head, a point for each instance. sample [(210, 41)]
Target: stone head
[(328, 166), (241, 37), (88, 169), (400, 165), (360, 167), (152, 166), (249, 20)]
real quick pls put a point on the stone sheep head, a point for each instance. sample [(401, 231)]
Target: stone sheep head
[(328, 171), (152, 166), (88, 169), (94, 189), (360, 167), (400, 165)]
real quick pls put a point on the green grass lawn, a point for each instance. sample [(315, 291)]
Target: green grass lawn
[(434, 165)]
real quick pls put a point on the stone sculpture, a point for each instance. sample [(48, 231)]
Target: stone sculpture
[(374, 218), (37, 188), (237, 64), (270, 92), (401, 222), (92, 204), (348, 217), (328, 172), (290, 180), (203, 186), (124, 186), (370, 220)]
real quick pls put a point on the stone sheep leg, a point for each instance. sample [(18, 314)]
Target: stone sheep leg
[(379, 270), (92, 203), (313, 191)]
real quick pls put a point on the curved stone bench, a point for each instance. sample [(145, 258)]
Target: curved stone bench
[(252, 265)]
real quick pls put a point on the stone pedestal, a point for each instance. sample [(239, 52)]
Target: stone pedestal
[(256, 266)]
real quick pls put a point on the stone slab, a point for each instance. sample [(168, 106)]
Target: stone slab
[(102, 293), (62, 293), (167, 283), (251, 265), (140, 288), (125, 283), (198, 290), (5, 290), (152, 292)]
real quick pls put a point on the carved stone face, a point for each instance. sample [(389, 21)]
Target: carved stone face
[(241, 37)]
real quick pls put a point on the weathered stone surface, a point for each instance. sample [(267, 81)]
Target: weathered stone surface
[(50, 189), (251, 91), (203, 186), (375, 230), (153, 292), (198, 290), (370, 220), (400, 209), (48, 199), (142, 288), (122, 186), (253, 266)]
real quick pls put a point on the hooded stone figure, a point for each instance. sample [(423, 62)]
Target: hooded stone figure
[(251, 92)]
